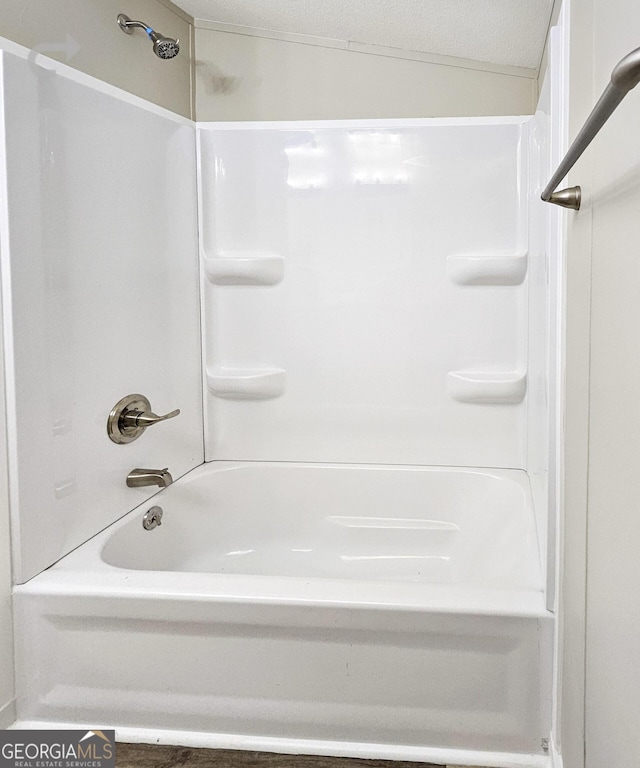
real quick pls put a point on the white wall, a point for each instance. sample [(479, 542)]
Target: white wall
[(246, 77), (7, 705), (613, 543), (101, 301), (540, 378), (544, 61), (568, 728), (98, 47), (352, 315), (603, 407), (84, 34)]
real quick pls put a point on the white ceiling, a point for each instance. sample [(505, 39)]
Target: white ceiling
[(510, 32)]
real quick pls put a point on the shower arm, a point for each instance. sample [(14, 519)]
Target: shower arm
[(126, 25), (625, 76)]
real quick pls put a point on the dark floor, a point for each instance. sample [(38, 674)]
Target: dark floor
[(156, 756)]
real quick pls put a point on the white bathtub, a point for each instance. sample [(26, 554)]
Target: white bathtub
[(353, 610)]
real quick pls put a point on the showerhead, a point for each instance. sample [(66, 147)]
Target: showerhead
[(163, 47)]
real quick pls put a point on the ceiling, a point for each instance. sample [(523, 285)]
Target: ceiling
[(509, 32)]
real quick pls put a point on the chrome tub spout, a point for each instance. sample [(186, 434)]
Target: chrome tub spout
[(138, 478)]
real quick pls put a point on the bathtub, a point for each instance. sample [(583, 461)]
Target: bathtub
[(378, 611)]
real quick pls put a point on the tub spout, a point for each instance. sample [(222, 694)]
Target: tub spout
[(138, 478)]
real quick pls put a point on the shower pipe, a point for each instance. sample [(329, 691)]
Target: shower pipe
[(625, 76)]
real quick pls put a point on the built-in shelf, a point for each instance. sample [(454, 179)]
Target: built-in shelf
[(245, 269), (487, 388), (482, 269), (245, 383)]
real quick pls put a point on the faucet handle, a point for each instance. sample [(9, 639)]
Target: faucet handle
[(131, 416)]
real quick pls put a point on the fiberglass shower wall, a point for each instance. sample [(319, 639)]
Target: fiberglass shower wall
[(100, 299), (365, 291)]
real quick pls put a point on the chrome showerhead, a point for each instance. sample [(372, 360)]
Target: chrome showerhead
[(163, 47)]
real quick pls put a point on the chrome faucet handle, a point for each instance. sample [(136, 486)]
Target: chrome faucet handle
[(133, 418), (130, 417)]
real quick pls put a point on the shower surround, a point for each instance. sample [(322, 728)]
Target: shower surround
[(357, 556)]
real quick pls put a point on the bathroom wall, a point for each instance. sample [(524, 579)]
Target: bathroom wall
[(365, 293), (100, 290), (7, 705), (548, 226), (248, 77), (599, 609), (603, 332), (541, 284), (84, 35), (569, 737), (544, 61)]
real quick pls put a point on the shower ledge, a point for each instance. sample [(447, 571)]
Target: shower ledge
[(487, 388), (482, 269), (245, 269), (246, 383)]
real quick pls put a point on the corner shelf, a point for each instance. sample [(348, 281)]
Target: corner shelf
[(487, 388), (245, 269), (478, 269), (246, 383)]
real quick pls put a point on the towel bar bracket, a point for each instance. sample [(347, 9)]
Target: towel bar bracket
[(571, 197)]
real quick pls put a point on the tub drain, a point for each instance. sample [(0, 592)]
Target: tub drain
[(152, 519)]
